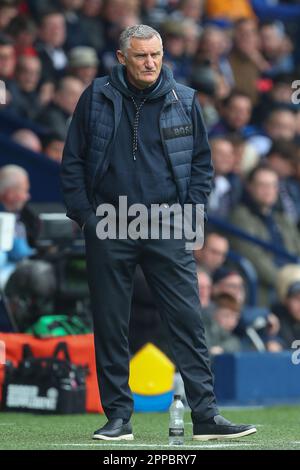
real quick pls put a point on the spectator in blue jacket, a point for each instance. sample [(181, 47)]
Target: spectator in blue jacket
[(14, 194)]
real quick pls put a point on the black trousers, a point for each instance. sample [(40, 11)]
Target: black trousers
[(170, 271)]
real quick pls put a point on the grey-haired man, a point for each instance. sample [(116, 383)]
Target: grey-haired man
[(139, 134)]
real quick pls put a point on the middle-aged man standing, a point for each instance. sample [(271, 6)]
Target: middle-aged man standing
[(139, 134)]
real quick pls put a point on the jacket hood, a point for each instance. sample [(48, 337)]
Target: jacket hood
[(164, 84)]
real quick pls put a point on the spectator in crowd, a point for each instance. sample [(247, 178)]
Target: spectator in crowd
[(27, 102), (174, 49), (83, 64), (56, 116), (276, 47), (279, 94), (112, 13), (245, 58), (8, 11), (229, 281), (14, 194), (256, 215), (288, 307), (214, 45), (192, 32), (7, 58), (91, 23), (226, 187), (280, 123), (28, 139), (153, 13), (220, 325), (281, 158), (53, 146), (192, 9), (236, 112), (204, 79), (214, 252), (50, 44), (75, 34), (245, 155), (23, 32)]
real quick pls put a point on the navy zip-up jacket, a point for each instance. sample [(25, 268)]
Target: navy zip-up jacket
[(88, 152)]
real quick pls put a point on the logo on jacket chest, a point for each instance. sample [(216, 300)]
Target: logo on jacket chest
[(177, 131)]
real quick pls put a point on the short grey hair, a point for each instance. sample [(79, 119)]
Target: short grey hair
[(139, 31), (10, 176)]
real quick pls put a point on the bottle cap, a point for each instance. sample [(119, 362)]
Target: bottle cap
[(177, 397)]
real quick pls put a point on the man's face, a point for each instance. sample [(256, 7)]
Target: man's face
[(271, 41), (281, 125), (53, 30), (85, 74), (7, 13), (175, 45), (246, 36), (223, 156), (143, 61), (293, 305), (238, 112), (214, 252), (283, 167), (16, 197), (227, 318), (264, 188), (232, 284), (67, 97), (29, 73), (7, 61)]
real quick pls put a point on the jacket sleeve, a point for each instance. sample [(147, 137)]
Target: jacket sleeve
[(202, 168), (72, 174)]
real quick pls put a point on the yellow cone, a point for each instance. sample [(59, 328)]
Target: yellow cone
[(151, 372)]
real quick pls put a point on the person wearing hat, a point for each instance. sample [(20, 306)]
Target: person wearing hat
[(83, 63)]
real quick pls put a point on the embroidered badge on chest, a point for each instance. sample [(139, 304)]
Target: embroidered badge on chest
[(177, 131)]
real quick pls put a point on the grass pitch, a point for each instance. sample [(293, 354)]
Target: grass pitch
[(277, 428)]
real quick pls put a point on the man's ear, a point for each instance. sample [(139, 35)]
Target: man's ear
[(120, 57)]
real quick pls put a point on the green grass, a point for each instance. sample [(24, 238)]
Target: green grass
[(278, 428)]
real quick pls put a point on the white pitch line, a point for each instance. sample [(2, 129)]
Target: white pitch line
[(111, 443), (256, 425)]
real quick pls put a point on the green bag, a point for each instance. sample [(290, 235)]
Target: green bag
[(50, 326)]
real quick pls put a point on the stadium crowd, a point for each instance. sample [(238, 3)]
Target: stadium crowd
[(243, 60)]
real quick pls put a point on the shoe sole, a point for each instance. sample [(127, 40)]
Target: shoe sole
[(125, 437), (208, 437)]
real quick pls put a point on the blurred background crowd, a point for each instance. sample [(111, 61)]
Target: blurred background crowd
[(243, 58)]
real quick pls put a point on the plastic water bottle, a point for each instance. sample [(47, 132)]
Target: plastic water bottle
[(176, 425)]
